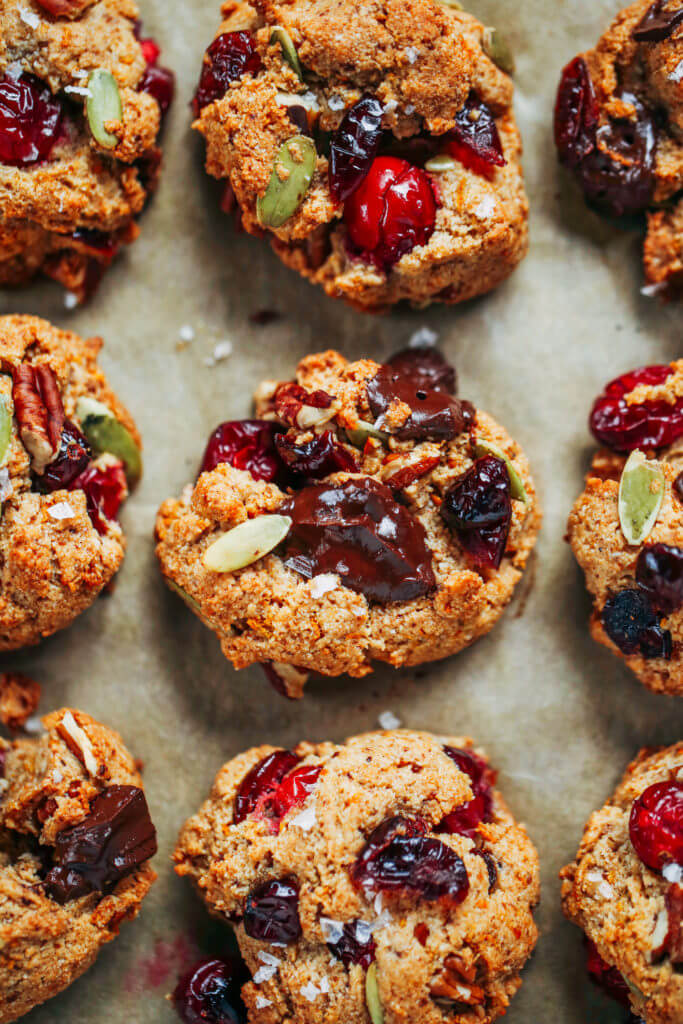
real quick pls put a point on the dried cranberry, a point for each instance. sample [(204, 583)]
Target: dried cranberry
[(631, 623), (427, 368), (399, 858), (657, 24), (355, 946), (391, 211), (101, 243), (316, 458), (475, 140), (159, 82), (659, 571), (244, 444), (30, 120), (357, 530), (230, 56), (64, 8), (623, 427), (606, 977), (576, 114), (354, 146), (656, 825), (435, 415), (73, 457), (272, 912), (262, 781), (465, 819), (478, 507), (104, 490), (295, 788), (210, 993)]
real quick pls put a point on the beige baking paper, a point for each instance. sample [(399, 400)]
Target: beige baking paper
[(559, 715)]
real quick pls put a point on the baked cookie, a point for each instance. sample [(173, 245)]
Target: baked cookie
[(626, 529), (619, 128), (380, 879), (75, 841), (68, 453), (375, 145), (366, 515), (624, 888), (82, 97)]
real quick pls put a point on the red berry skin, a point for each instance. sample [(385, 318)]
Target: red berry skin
[(30, 121), (623, 427), (392, 211), (230, 56), (576, 114), (150, 50), (656, 825), (606, 977), (475, 139), (244, 444), (104, 490), (262, 781), (295, 788), (160, 83), (465, 820)]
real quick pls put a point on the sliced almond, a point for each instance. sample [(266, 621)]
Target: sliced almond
[(78, 743), (246, 543)]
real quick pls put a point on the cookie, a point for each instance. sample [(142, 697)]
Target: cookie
[(366, 515), (626, 529), (619, 129), (75, 844), (82, 97), (624, 888), (384, 876), (69, 451), (375, 146)]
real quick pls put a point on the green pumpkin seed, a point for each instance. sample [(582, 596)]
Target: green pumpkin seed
[(363, 431), (641, 492), (103, 104), (498, 49), (5, 429), (281, 35), (440, 164), (189, 601), (246, 543), (372, 999), (517, 488), (104, 433), (293, 172)]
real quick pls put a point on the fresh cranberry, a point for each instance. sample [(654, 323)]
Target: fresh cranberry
[(316, 458), (295, 788), (354, 146), (427, 368), (230, 56), (464, 820), (399, 858), (272, 912), (244, 444), (623, 427), (659, 571), (260, 783), (631, 623), (605, 977), (478, 507), (356, 945), (475, 140), (210, 993), (159, 82), (72, 459), (656, 825), (30, 120), (104, 490), (150, 50), (657, 24), (392, 210)]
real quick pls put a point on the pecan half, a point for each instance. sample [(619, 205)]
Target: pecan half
[(39, 412), (303, 409), (456, 982), (408, 473)]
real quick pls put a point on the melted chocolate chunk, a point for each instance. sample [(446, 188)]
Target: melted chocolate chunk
[(428, 369), (357, 530), (436, 415), (114, 839), (658, 24)]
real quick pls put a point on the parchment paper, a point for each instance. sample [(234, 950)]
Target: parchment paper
[(559, 715)]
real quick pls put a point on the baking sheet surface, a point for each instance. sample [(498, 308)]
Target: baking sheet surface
[(559, 715)]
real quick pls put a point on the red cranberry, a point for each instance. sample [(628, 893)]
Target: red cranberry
[(73, 457), (210, 993), (316, 458), (623, 427), (478, 507), (230, 56), (427, 368), (465, 819), (657, 24), (656, 825), (104, 490), (30, 120), (659, 571), (64, 8), (244, 444), (631, 623), (295, 788), (272, 912), (605, 977), (260, 784), (576, 114), (159, 82), (356, 945), (392, 210), (150, 50), (399, 858), (354, 146), (475, 140)]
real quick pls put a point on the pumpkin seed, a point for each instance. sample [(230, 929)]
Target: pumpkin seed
[(498, 49), (372, 999), (641, 492), (281, 35), (292, 174), (517, 488), (5, 429), (189, 601), (440, 164), (104, 433), (451, 3), (363, 431), (246, 543), (103, 104)]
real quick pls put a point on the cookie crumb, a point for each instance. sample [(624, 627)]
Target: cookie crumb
[(19, 698), (388, 720)]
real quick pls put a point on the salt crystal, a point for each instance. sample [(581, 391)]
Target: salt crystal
[(186, 333), (268, 958), (5, 484), (310, 992), (424, 337), (57, 777), (336, 103), (262, 1002), (323, 584), (363, 932), (652, 290), (332, 930), (673, 873), (388, 720), (677, 73), (78, 90), (62, 510), (325, 984), (264, 974), (70, 300), (221, 351), (14, 70), (33, 726), (390, 106), (485, 208), (412, 54), (305, 820), (29, 18)]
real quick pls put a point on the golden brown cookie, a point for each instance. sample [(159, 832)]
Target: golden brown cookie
[(367, 515), (75, 842), (383, 878), (82, 97), (624, 888), (69, 451), (375, 145), (619, 129)]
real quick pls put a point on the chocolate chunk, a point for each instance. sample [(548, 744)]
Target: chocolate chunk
[(427, 367), (436, 415), (658, 24)]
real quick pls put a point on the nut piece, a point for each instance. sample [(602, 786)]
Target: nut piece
[(78, 743), (19, 698), (456, 983), (39, 412), (304, 409)]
